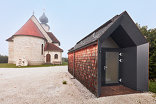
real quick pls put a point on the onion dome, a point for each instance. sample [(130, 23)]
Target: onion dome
[(43, 19)]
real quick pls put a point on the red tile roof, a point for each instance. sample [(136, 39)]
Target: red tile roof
[(52, 47), (53, 38), (30, 28)]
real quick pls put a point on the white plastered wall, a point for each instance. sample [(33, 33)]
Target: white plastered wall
[(11, 52), (52, 53)]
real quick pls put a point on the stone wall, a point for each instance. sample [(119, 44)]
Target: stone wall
[(85, 67), (11, 52), (29, 47)]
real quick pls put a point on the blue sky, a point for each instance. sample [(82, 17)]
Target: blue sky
[(71, 20)]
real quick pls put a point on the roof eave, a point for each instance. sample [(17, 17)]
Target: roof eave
[(29, 35), (54, 50), (92, 43)]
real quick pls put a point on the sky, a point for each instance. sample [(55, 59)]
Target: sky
[(70, 20)]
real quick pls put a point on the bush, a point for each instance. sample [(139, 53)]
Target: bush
[(65, 61), (3, 59), (152, 71), (64, 82)]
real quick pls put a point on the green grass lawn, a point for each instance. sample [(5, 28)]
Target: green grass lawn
[(152, 86), (6, 65)]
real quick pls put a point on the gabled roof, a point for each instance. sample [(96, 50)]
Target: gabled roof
[(109, 27), (52, 47), (93, 36), (43, 31), (32, 28), (53, 38), (29, 28)]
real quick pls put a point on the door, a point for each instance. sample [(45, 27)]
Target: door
[(110, 66), (48, 58)]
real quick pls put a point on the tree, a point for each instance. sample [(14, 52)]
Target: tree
[(3, 59)]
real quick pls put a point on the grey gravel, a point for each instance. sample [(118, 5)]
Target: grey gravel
[(43, 85)]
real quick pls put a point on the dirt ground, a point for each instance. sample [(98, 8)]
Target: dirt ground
[(43, 85)]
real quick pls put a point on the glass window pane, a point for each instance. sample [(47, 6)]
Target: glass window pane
[(112, 65)]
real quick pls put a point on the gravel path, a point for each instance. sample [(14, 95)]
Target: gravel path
[(43, 85)]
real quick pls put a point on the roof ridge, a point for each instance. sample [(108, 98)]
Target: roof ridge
[(36, 24), (41, 27), (97, 33), (105, 24)]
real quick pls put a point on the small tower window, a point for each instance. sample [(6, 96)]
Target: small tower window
[(42, 49), (56, 56)]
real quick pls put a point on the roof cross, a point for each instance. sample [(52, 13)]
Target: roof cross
[(44, 10), (33, 12)]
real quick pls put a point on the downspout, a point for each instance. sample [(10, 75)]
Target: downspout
[(99, 69)]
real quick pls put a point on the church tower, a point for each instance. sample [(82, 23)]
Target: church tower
[(35, 43), (44, 20)]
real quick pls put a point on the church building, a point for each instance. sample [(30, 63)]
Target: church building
[(34, 43)]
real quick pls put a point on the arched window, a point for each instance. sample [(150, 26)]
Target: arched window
[(42, 49), (56, 56)]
